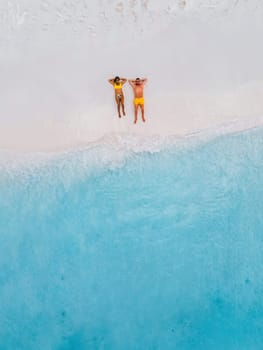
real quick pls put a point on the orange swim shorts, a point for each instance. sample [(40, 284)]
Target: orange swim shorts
[(139, 101)]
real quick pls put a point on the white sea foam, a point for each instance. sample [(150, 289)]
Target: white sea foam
[(113, 150)]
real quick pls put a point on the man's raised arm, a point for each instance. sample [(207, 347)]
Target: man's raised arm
[(131, 82)]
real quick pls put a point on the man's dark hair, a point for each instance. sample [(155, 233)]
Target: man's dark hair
[(137, 79), (116, 78)]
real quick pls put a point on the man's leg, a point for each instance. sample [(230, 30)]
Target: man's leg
[(135, 113), (142, 109)]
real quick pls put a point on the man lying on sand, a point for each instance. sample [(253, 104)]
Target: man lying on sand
[(117, 83), (138, 86)]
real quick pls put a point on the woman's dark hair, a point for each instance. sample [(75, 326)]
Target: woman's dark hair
[(116, 78)]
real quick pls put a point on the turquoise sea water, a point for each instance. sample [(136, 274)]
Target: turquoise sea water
[(112, 249)]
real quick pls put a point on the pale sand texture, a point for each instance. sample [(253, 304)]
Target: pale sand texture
[(203, 60)]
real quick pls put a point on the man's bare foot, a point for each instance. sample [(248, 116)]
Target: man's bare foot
[(124, 113), (143, 119), (135, 121), (119, 116)]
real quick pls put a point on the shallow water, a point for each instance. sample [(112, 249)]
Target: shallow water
[(113, 249)]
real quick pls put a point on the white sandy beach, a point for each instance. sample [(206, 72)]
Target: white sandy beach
[(203, 60)]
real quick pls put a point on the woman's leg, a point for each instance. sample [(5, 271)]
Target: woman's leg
[(118, 101), (119, 108), (122, 105)]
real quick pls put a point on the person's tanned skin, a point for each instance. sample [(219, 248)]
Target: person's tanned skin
[(117, 83), (138, 87)]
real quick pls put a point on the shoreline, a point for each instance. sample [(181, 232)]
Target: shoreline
[(172, 114), (141, 142)]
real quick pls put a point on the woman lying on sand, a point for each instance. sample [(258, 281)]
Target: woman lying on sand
[(119, 97)]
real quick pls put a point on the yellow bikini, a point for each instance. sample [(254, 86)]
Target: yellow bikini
[(117, 87), (139, 101)]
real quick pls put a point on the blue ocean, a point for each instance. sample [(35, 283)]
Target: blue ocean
[(115, 248)]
